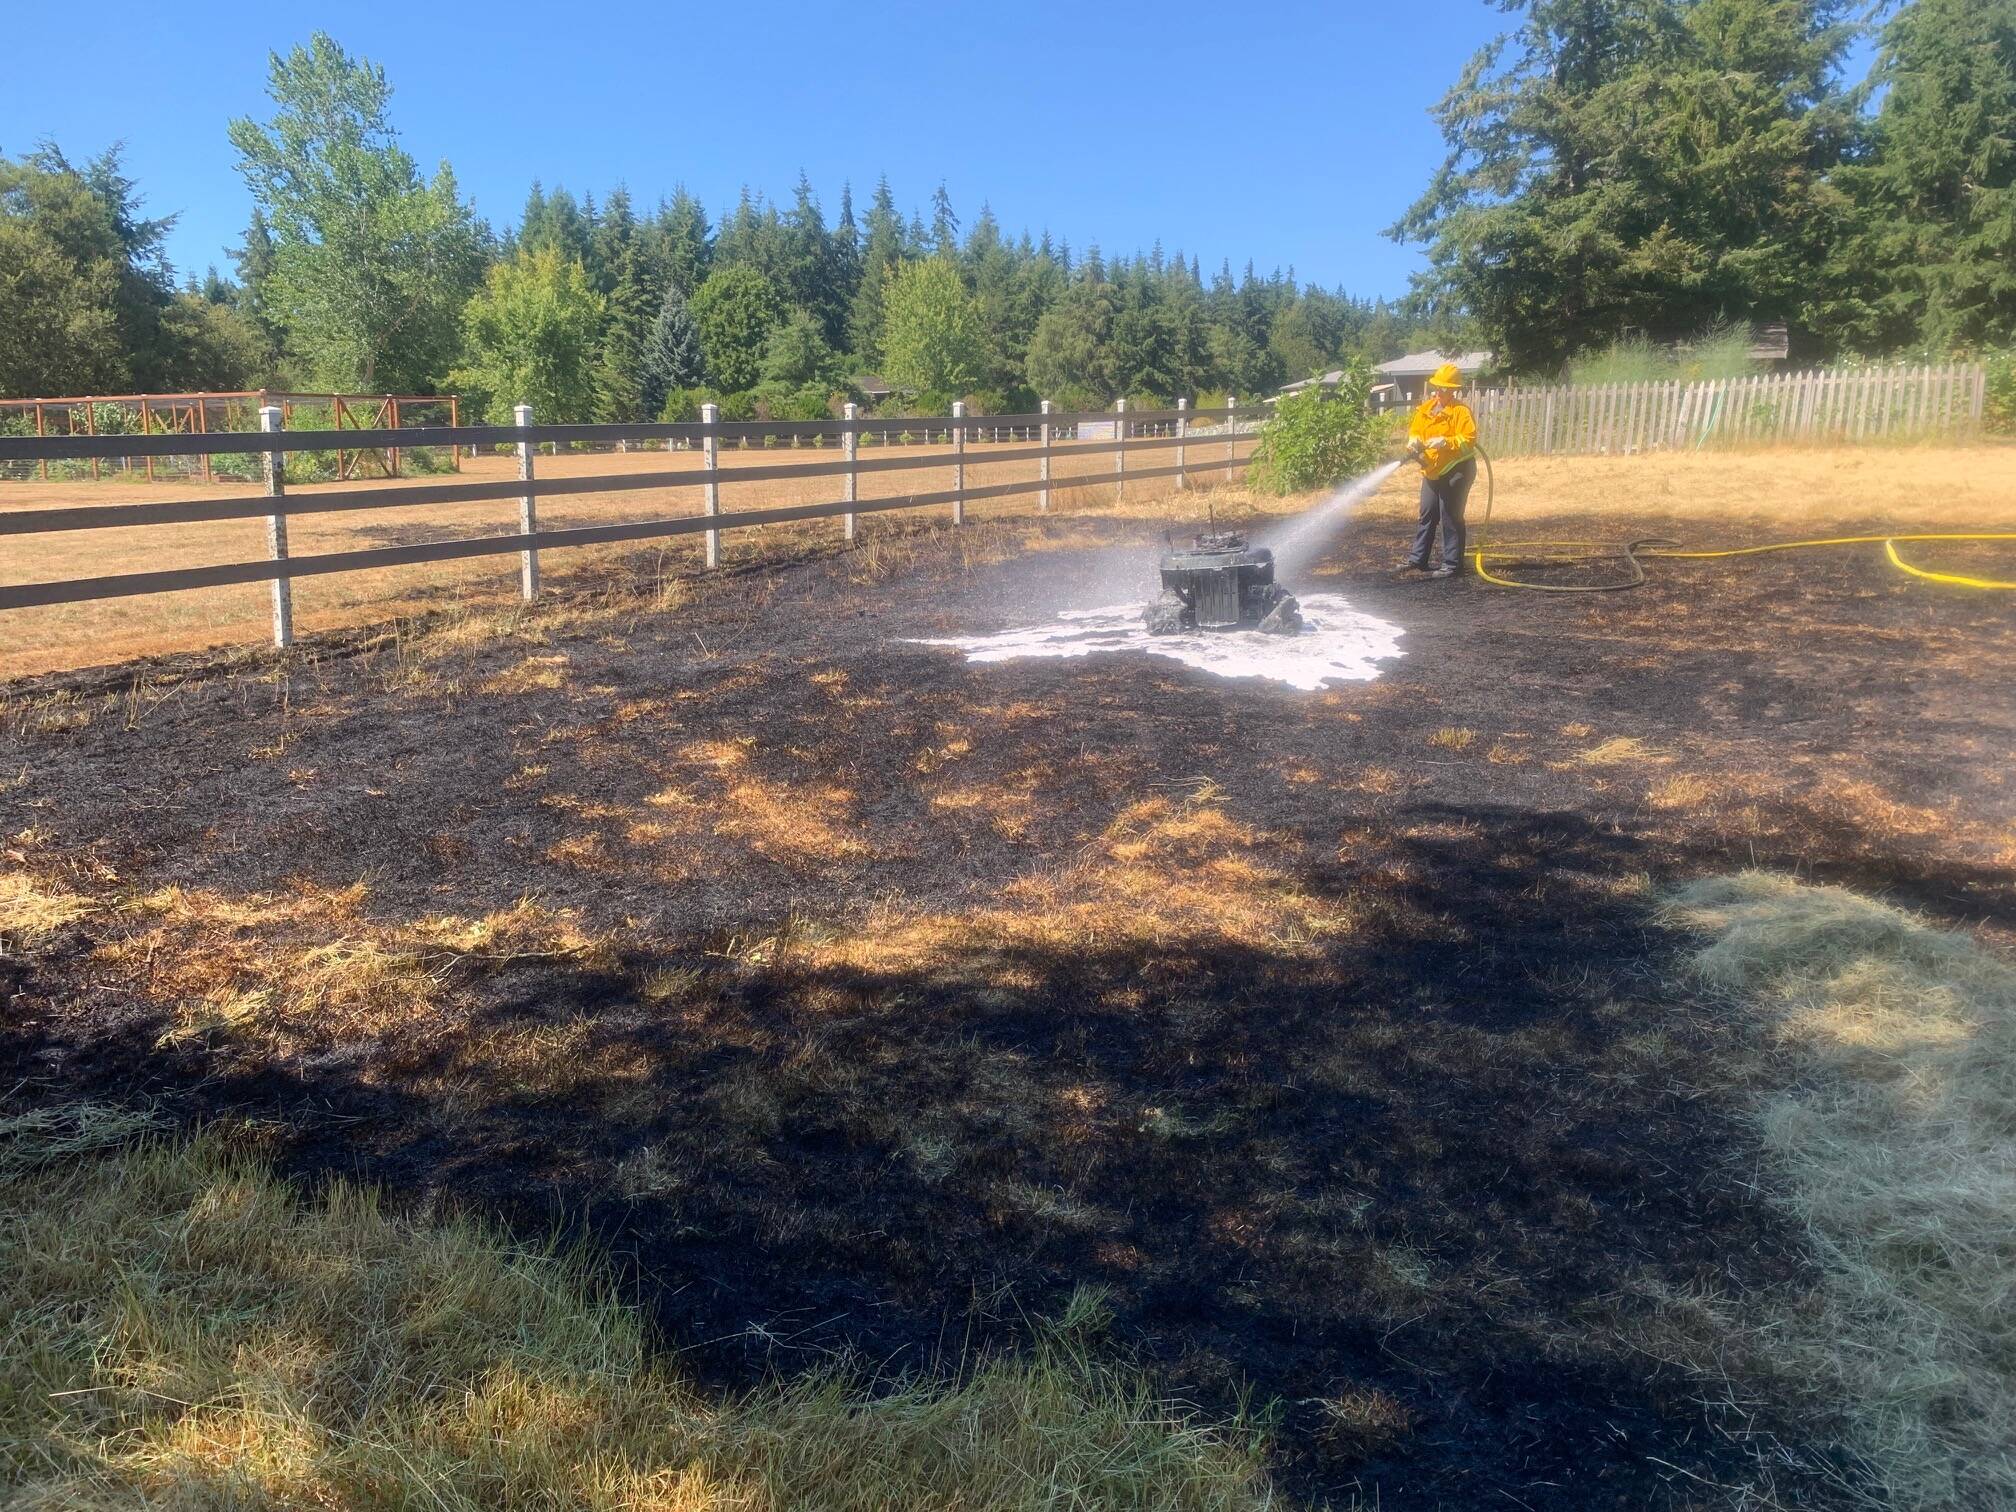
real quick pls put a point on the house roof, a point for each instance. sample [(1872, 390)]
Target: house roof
[(1329, 380), (872, 383), (1420, 364)]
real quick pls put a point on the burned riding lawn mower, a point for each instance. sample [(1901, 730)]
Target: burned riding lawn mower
[(1218, 582)]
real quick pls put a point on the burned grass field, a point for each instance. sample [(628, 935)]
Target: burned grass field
[(861, 1002)]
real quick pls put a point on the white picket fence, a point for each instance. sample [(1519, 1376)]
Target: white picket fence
[(1822, 404)]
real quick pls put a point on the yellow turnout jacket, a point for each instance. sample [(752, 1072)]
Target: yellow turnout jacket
[(1448, 437)]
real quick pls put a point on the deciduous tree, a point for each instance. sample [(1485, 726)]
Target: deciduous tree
[(934, 340), (531, 334), (371, 264), (735, 311)]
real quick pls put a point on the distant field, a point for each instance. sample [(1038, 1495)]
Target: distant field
[(90, 634), (1714, 494)]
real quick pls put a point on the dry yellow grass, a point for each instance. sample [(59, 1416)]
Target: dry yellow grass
[(183, 1330), (1166, 870), (312, 967), (31, 911), (1806, 490), (1894, 1126)]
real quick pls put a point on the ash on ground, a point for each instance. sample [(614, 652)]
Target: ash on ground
[(1335, 643)]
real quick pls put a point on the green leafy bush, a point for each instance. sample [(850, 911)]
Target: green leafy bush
[(779, 401), (740, 405), (2001, 408), (1320, 436), (682, 405)]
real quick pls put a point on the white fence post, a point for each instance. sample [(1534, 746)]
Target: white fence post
[(852, 439), (1182, 433), (710, 457), (1043, 464), (276, 532), (1119, 450), (959, 462), (1231, 435), (528, 509)]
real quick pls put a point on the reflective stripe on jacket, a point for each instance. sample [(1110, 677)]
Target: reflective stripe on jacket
[(1448, 437)]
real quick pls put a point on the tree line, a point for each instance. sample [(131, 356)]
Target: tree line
[(1618, 170), (360, 273)]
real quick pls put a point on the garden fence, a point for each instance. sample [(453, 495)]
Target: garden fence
[(1125, 435), (204, 414), (1820, 404)]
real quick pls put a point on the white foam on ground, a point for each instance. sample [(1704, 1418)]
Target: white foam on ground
[(1338, 643)]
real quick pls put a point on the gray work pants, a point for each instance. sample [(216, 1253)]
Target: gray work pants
[(1442, 503)]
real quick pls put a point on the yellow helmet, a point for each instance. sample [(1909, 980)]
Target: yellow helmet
[(1446, 376)]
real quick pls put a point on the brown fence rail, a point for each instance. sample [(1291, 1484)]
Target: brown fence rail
[(1202, 441), (127, 420)]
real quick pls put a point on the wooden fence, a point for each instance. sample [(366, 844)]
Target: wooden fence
[(1121, 434), (1823, 404)]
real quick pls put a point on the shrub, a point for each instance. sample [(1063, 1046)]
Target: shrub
[(2001, 412), (740, 405), (777, 401), (1720, 351), (683, 404), (1320, 436)]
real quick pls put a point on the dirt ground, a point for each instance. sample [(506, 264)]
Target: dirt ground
[(865, 1000)]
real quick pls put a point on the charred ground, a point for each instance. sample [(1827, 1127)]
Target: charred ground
[(864, 1000)]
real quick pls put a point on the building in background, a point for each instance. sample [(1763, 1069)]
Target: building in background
[(1403, 381)]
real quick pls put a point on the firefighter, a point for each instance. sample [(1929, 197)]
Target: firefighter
[(1442, 437)]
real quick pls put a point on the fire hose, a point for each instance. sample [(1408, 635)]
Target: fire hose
[(1633, 554)]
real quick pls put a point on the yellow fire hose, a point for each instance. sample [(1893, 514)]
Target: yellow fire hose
[(1634, 553)]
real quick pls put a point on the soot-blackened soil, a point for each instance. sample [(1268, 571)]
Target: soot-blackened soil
[(1330, 1034)]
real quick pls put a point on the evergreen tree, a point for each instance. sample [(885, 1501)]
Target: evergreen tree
[(610, 244), (797, 353), (252, 295), (881, 254), (619, 373), (555, 222), (1071, 353), (63, 265), (754, 237), (808, 277), (1626, 165), (944, 224), (688, 247), (1927, 249), (844, 269), (671, 357)]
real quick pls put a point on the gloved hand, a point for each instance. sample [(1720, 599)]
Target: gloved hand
[(1414, 447)]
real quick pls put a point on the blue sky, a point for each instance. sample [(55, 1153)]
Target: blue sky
[(1291, 135)]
